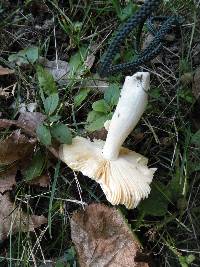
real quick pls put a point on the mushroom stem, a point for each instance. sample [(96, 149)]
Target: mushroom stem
[(131, 105)]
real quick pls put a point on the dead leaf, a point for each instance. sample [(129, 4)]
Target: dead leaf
[(43, 180), (5, 71), (59, 69), (196, 84), (29, 121), (96, 83), (7, 182), (99, 134), (102, 238), (15, 147), (6, 123), (13, 219), (4, 93), (90, 61)]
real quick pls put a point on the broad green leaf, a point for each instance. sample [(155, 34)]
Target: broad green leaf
[(97, 124), (81, 96), (51, 103), (112, 94), (76, 61), (62, 133), (44, 135), (54, 118), (46, 81), (186, 261), (157, 202), (94, 115), (36, 166), (196, 138), (60, 263), (190, 258), (25, 56), (101, 106)]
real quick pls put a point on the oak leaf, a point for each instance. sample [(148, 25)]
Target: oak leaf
[(102, 238)]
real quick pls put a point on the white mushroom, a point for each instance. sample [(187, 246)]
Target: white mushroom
[(123, 174)]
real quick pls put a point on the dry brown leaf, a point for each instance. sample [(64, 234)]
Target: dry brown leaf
[(99, 134), (29, 121), (102, 238), (59, 69), (15, 147), (90, 61), (43, 180), (7, 182), (5, 71), (13, 219), (196, 84), (6, 123)]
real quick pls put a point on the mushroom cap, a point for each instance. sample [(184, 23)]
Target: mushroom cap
[(125, 180)]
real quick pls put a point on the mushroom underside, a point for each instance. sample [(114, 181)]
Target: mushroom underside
[(125, 180)]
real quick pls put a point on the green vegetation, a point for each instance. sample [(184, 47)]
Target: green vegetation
[(78, 32)]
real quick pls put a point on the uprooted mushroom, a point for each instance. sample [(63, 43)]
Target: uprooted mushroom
[(122, 174)]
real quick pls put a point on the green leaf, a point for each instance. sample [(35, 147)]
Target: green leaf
[(62, 133), (128, 11), (81, 96), (95, 120), (54, 118), (51, 103), (44, 135), (25, 56), (60, 263), (175, 187), (101, 106), (93, 115), (36, 166), (76, 61), (156, 204), (112, 94), (190, 258), (46, 81), (196, 138)]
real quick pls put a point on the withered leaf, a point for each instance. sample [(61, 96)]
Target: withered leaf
[(29, 121), (102, 238), (15, 147), (7, 182), (43, 180), (6, 123), (59, 69), (5, 71), (13, 219)]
